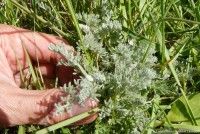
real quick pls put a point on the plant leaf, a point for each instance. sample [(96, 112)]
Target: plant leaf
[(179, 111)]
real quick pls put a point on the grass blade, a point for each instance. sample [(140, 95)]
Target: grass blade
[(67, 122), (26, 10), (74, 20), (187, 128), (179, 84)]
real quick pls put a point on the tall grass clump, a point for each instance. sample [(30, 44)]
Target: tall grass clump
[(138, 58)]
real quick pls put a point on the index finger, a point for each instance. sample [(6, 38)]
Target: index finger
[(36, 43)]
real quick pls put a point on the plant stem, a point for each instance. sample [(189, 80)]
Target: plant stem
[(163, 30), (67, 122), (74, 19), (76, 24), (183, 20)]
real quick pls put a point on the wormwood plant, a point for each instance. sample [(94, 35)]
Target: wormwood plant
[(117, 76)]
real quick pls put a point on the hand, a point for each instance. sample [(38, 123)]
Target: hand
[(21, 106)]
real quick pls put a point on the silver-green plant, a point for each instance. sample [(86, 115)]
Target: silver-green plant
[(119, 79)]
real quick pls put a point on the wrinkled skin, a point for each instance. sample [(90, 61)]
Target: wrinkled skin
[(20, 106)]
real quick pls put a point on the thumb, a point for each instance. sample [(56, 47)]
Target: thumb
[(37, 107), (76, 109), (35, 43)]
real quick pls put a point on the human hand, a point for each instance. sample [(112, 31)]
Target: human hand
[(20, 106)]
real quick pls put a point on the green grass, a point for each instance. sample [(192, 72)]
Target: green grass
[(172, 25)]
